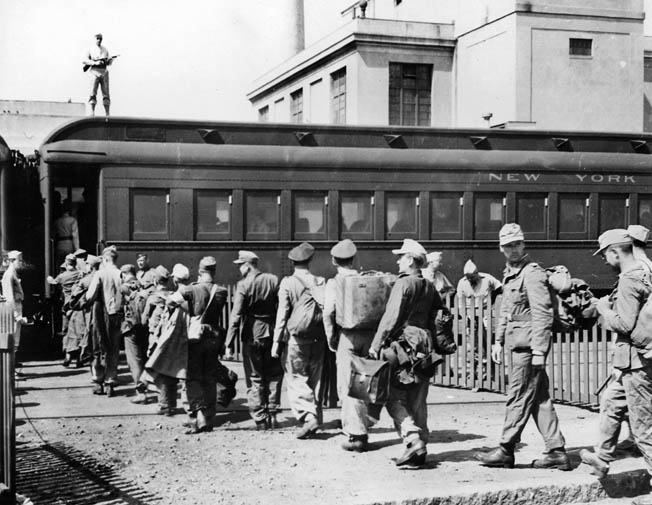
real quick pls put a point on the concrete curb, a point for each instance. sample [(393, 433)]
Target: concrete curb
[(625, 484)]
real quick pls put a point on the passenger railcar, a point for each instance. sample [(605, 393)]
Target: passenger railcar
[(180, 190)]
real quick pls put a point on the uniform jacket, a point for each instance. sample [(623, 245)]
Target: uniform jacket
[(154, 308), (11, 287), (289, 292), (147, 278), (106, 286), (254, 306), (627, 299), (526, 314), (198, 295), (413, 301)]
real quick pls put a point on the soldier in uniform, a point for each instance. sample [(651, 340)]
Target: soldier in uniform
[(146, 275), (633, 372), (13, 292), (346, 343), (252, 317), (525, 325), (205, 301), (413, 301), (303, 356), (433, 273)]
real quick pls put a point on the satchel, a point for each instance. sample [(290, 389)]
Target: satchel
[(444, 341), (369, 380), (196, 324)]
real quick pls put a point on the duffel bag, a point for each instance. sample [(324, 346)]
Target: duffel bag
[(369, 380)]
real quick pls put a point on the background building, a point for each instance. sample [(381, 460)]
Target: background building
[(548, 64)]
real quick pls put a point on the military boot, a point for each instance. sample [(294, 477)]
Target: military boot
[(501, 456), (356, 443), (414, 455), (556, 458)]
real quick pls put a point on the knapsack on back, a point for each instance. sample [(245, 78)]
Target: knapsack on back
[(641, 336), (571, 301), (306, 319)]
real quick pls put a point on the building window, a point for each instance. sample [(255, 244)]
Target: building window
[(573, 215), (580, 47), (445, 215), (532, 215), (150, 217), (262, 215), (263, 114), (401, 216), (489, 215), (338, 97), (310, 217), (296, 106), (212, 215), (356, 215), (613, 212), (410, 90), (645, 211)]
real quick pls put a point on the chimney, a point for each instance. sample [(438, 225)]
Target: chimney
[(294, 38)]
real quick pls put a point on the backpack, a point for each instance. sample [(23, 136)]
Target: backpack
[(641, 336), (133, 306), (306, 319), (571, 301)]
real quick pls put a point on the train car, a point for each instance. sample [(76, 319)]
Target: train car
[(5, 163), (180, 190)]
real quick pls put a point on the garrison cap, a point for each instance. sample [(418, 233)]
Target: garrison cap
[(511, 232), (180, 272), (245, 257), (470, 268), (71, 259), (411, 247), (612, 237), (93, 260), (128, 268), (344, 249), (162, 273), (302, 252), (207, 263), (14, 255), (434, 255), (141, 255), (638, 232), (112, 250), (80, 253)]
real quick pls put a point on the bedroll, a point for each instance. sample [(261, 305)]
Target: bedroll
[(361, 299)]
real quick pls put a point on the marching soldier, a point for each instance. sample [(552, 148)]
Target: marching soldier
[(525, 325), (252, 316), (413, 301)]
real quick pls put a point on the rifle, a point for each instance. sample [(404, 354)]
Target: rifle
[(102, 62)]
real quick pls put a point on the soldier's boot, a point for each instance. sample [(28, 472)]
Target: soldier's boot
[(204, 421), (556, 458), (356, 443), (272, 422), (599, 467), (309, 427), (262, 425), (415, 453), (501, 456)]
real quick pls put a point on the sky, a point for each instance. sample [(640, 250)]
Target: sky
[(193, 59)]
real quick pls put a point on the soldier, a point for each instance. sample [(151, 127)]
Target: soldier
[(413, 301), (146, 275), (346, 343), (303, 357), (205, 301), (252, 317), (633, 377), (525, 325), (105, 288), (13, 293), (433, 273)]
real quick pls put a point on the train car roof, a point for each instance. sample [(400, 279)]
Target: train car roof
[(165, 131)]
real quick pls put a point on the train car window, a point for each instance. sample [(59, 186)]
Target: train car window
[(309, 220), (532, 214), (150, 216), (445, 215), (613, 211), (262, 215), (573, 216), (212, 215), (489, 215), (645, 210), (356, 215), (401, 218)]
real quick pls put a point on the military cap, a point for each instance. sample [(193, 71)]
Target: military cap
[(162, 272), (638, 232), (511, 232), (302, 252), (245, 257), (110, 250), (207, 263), (410, 246), (80, 253), (128, 268), (435, 255), (71, 259), (612, 237), (14, 255), (93, 260), (470, 268), (180, 272), (344, 249), (141, 255)]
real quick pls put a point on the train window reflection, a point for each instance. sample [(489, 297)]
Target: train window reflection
[(310, 215), (149, 214), (613, 212), (645, 211), (213, 214), (262, 216), (531, 213), (445, 214), (401, 215), (573, 214), (356, 215), (489, 215)]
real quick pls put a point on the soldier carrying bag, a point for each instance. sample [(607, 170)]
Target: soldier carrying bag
[(369, 380)]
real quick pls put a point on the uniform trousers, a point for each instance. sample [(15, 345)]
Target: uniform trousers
[(613, 410), (528, 395), (638, 391), (105, 360), (201, 382), (355, 416), (136, 353), (303, 363), (264, 377), (18, 312), (103, 82), (409, 411), (167, 391)]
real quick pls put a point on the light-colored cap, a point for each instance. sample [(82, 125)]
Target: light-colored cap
[(180, 272), (245, 257), (511, 232), (93, 260), (435, 255), (14, 255), (302, 252), (80, 252), (162, 273), (344, 249), (71, 259), (470, 268), (612, 237), (638, 232), (110, 251), (207, 263), (410, 247)]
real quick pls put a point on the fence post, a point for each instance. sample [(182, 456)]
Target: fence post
[(7, 392)]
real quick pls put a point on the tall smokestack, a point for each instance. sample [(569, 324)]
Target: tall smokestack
[(298, 27)]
